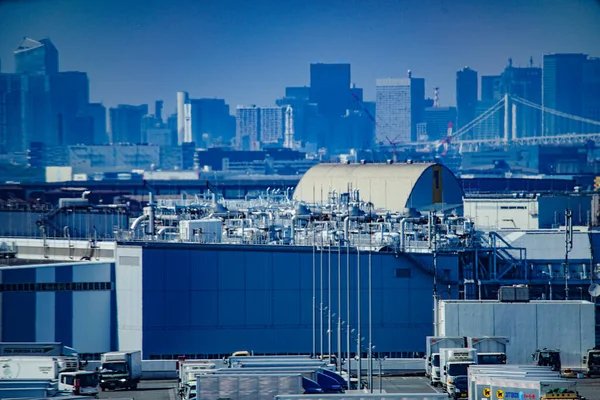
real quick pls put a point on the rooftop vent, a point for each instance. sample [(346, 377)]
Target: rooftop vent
[(513, 294)]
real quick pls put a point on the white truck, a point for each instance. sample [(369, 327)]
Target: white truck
[(490, 349), (432, 356), (455, 363), (120, 369), (67, 357), (48, 368)]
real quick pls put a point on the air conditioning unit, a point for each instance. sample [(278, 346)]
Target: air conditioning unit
[(513, 294)]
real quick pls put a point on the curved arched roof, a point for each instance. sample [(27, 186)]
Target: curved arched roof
[(388, 186)]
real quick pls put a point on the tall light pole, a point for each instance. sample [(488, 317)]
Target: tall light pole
[(568, 247), (358, 321), (314, 352), (329, 301), (339, 308), (348, 348), (370, 354), (321, 302)]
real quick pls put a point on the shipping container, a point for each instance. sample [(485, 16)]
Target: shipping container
[(171, 175)]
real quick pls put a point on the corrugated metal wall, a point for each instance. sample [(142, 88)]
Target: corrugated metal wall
[(565, 325), (80, 314), (218, 299)]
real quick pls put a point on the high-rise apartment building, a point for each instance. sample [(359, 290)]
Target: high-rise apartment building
[(272, 125), (36, 57), (182, 99), (466, 96), (126, 123), (399, 107), (247, 127)]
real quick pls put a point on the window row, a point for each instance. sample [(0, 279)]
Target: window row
[(55, 286)]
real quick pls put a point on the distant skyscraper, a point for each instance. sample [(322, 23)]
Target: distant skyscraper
[(525, 83), (591, 89), (182, 98), (126, 123), (98, 113), (11, 130), (70, 96), (272, 125), (36, 57), (330, 88), (158, 106), (299, 92), (466, 96), (399, 104), (491, 88), (211, 117), (248, 127), (562, 89), (39, 123)]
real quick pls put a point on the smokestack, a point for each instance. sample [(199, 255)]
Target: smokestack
[(436, 97), (181, 99)]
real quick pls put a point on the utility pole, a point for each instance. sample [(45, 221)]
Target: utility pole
[(314, 352), (358, 322), (433, 224), (568, 247), (370, 354), (339, 308)]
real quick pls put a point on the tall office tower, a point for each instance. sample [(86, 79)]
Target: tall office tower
[(466, 96), (126, 123), (272, 125), (247, 127), (38, 122), (399, 107), (562, 90), (98, 113), (70, 94), (299, 92), (330, 88), (11, 132), (491, 88), (187, 123), (158, 106), (182, 98), (211, 121), (330, 91), (525, 83), (36, 57), (591, 89), (298, 99)]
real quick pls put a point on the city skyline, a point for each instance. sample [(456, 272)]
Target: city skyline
[(135, 54)]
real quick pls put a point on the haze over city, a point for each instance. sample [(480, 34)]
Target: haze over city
[(247, 52)]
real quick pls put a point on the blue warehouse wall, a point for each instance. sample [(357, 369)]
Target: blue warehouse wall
[(69, 303), (222, 298)]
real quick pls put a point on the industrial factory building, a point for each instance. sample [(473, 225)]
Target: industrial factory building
[(204, 277)]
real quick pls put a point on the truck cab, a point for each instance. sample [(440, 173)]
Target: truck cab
[(121, 369), (461, 387), (435, 369), (591, 361), (455, 363), (79, 383), (548, 357)]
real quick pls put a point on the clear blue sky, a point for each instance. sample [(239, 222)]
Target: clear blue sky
[(137, 51)]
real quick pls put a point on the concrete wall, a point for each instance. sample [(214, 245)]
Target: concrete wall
[(566, 325), (129, 297)]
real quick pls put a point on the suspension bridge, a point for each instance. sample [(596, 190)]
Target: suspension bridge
[(514, 121)]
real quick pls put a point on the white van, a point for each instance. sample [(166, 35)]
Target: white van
[(79, 383)]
